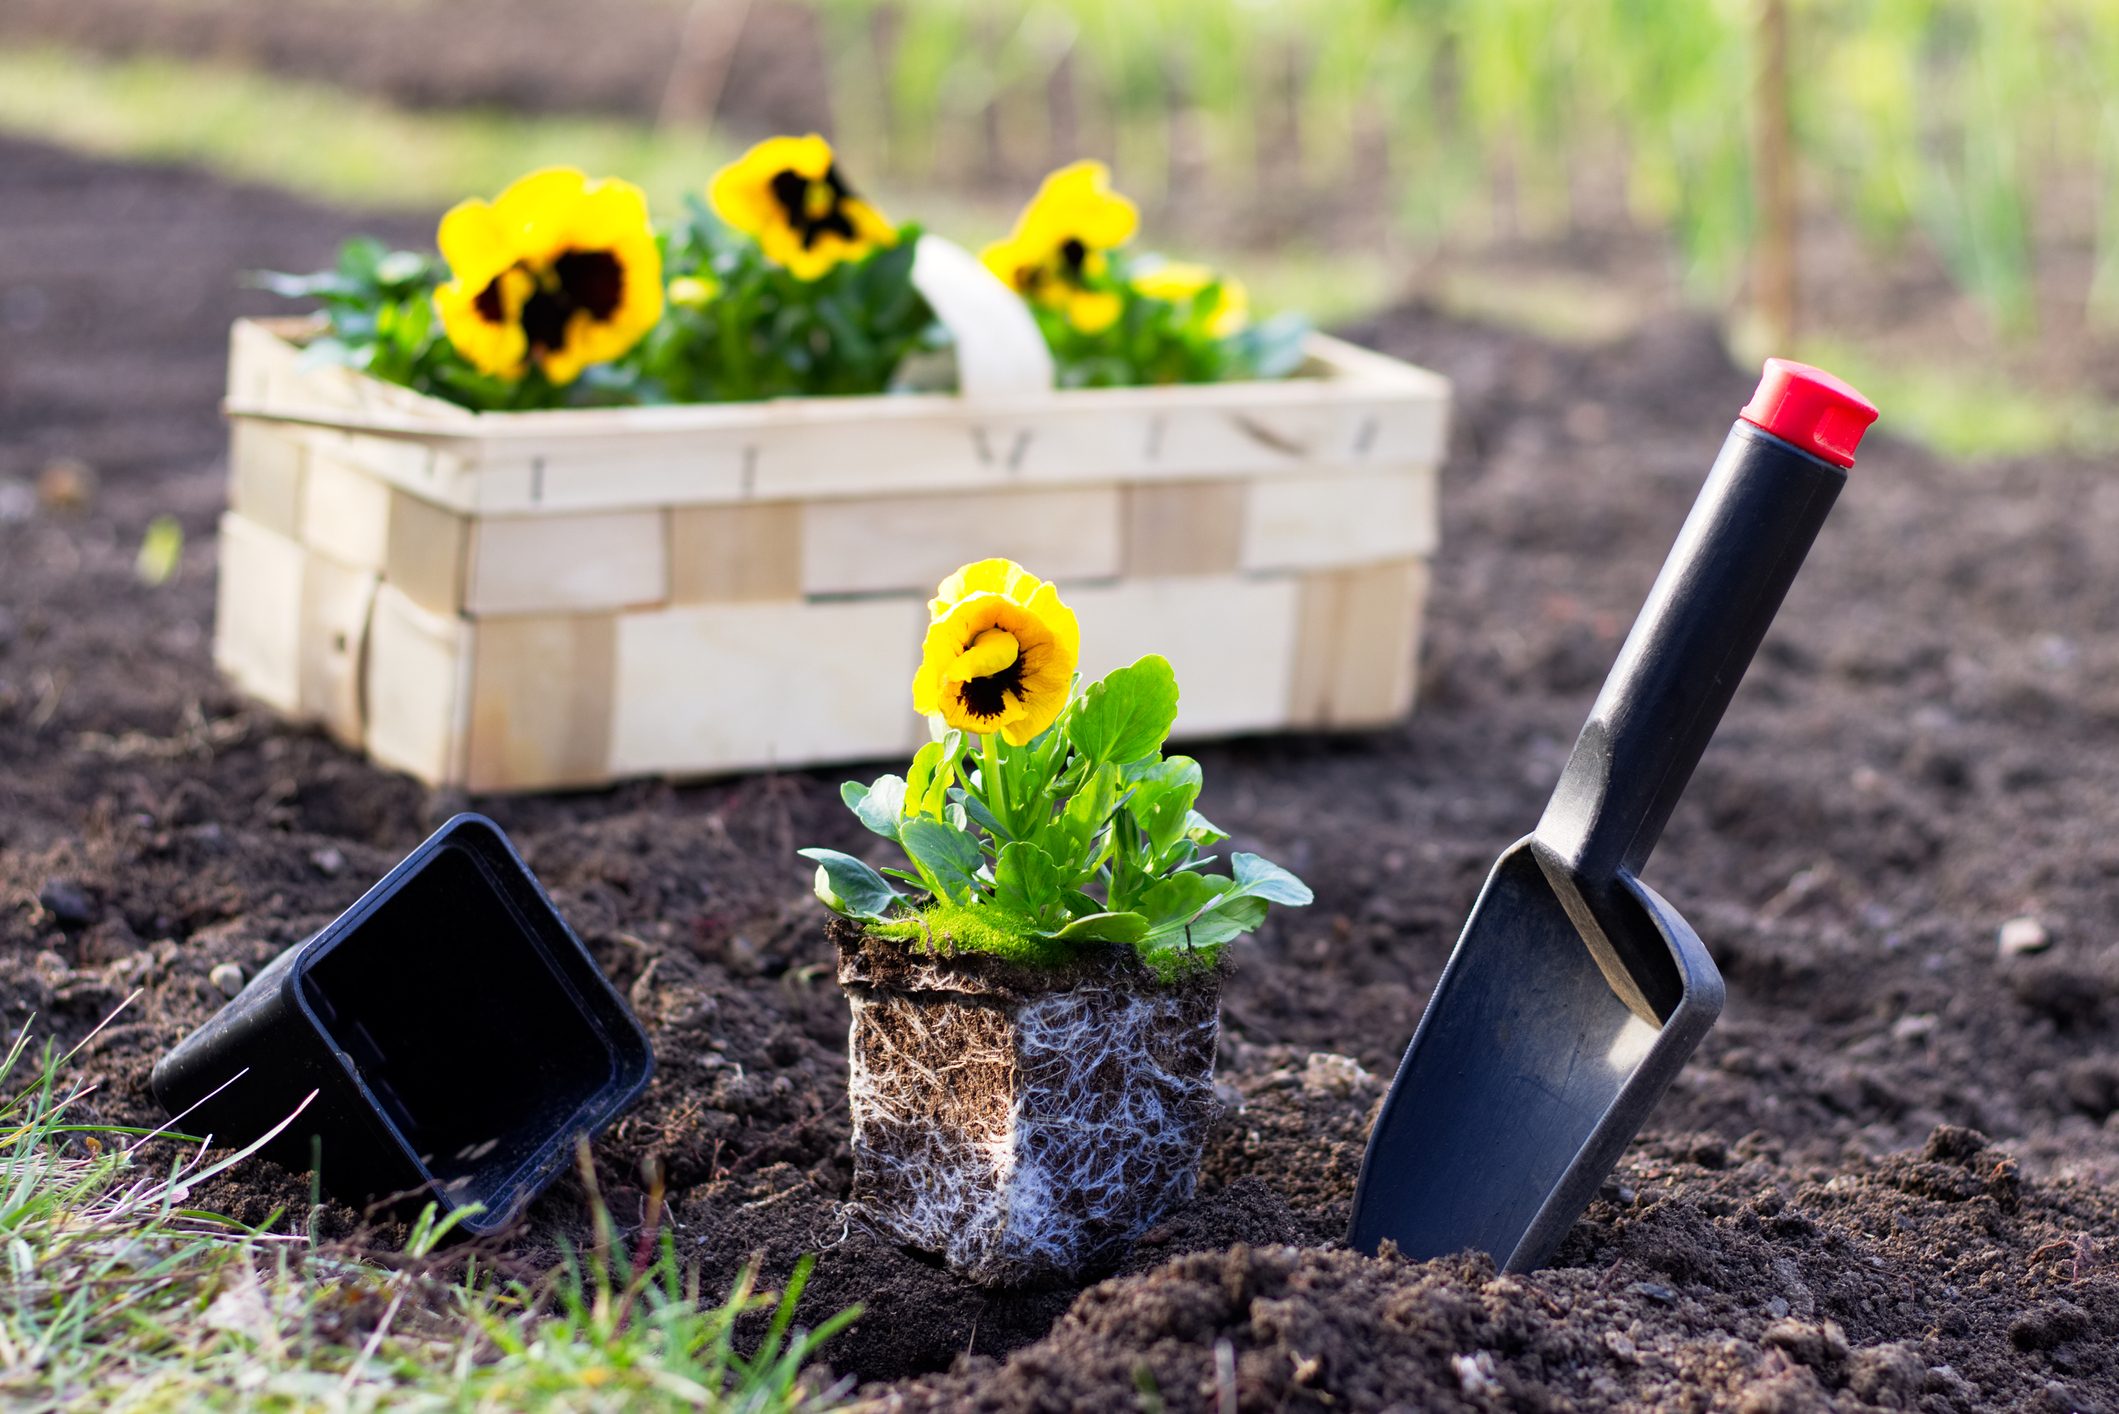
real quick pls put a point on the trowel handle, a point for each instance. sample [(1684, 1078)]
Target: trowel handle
[(1763, 504)]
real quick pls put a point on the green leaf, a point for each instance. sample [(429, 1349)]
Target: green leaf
[(975, 812), (1163, 792), (1192, 911), (322, 284), (1202, 831), (1072, 834), (1170, 904), (933, 772), (1263, 879), (1026, 881), (1273, 349), (1104, 928), (879, 806), (1228, 919), (948, 858), (161, 551), (848, 886), (359, 257), (400, 268), (1127, 716)]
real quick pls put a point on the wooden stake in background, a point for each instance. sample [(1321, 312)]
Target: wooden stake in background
[(1773, 271)]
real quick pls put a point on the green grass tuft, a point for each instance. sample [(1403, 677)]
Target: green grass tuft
[(117, 1295)]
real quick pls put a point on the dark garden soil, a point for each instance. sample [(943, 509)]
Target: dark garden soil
[(1924, 751)]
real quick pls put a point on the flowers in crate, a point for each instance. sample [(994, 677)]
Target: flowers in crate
[(785, 283), (778, 280), (1114, 318), (788, 195), (1046, 817), (556, 273), (1219, 304), (1058, 255)]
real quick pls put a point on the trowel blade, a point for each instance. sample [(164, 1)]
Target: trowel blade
[(1526, 1079)]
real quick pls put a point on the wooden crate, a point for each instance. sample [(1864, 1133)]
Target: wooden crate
[(522, 601)]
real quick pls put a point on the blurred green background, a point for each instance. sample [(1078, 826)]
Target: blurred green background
[(1923, 192)]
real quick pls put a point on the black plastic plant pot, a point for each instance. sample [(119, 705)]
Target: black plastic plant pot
[(457, 1036)]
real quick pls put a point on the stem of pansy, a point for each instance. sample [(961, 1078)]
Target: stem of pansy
[(735, 338), (996, 792)]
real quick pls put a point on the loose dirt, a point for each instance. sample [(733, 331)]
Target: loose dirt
[(1923, 752)]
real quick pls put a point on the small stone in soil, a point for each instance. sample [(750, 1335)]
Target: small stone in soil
[(1912, 1028), (328, 861), (1475, 1374), (1654, 1291), (2023, 935), (228, 977), (65, 901), (67, 484)]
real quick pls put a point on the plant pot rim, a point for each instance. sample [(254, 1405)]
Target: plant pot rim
[(871, 963)]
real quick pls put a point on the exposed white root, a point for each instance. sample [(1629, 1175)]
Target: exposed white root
[(1028, 1138)]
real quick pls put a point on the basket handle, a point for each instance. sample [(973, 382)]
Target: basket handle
[(999, 349)]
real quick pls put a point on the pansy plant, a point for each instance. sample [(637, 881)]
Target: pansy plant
[(556, 273), (557, 277), (779, 280), (1045, 816), (1114, 319), (786, 282)]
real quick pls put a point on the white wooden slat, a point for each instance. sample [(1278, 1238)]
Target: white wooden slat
[(526, 463), (1230, 639), (1319, 521), (1358, 645), (257, 625), (567, 564), (911, 543), (720, 554), (266, 464), (336, 601), (345, 513), (418, 689), (1185, 527), (540, 702), (727, 687)]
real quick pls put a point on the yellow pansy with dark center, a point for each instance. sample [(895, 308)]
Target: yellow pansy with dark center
[(1000, 652), (1180, 282), (558, 272), (788, 194), (1056, 257)]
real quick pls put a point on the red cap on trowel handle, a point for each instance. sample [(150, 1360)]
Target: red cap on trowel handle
[(1810, 410)]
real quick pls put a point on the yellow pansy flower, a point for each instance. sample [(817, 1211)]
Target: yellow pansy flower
[(694, 291), (557, 271), (1180, 283), (1000, 652), (787, 193), (1056, 252)]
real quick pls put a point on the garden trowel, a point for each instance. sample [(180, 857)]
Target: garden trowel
[(1575, 993)]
